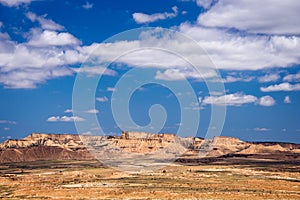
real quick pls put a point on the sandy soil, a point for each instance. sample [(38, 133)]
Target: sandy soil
[(91, 180)]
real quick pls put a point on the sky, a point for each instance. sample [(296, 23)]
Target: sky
[(80, 66)]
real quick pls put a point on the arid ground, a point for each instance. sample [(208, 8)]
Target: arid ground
[(230, 179)]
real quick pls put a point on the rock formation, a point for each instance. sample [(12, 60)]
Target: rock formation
[(41, 146)]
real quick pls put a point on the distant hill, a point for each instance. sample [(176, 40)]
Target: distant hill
[(41, 146)]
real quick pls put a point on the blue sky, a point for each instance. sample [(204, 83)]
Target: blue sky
[(253, 45)]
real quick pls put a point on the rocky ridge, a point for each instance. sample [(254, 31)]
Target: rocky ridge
[(41, 146)]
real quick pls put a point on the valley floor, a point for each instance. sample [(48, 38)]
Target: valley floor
[(91, 180)]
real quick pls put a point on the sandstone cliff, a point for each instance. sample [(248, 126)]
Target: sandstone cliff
[(41, 146)]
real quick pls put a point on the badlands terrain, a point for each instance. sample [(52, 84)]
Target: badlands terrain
[(61, 166)]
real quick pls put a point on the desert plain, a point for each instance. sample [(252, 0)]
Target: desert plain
[(233, 169), (91, 180)]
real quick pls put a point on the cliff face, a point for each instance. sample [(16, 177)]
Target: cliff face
[(65, 141), (40, 146)]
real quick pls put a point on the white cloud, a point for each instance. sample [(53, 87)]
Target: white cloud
[(7, 122), (230, 50), (4, 36), (102, 99), (1, 24), (24, 57), (287, 99), (111, 89), (142, 18), (65, 119), (45, 23), (255, 16), (204, 3), (95, 70), (12, 3), (6, 128), (281, 87), (218, 93), (292, 77), (29, 78), (92, 111), (52, 38), (261, 129), (179, 74), (231, 79), (87, 5), (68, 111), (266, 101), (236, 99), (24, 66), (169, 74), (269, 78)]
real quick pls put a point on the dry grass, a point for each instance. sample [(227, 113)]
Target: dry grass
[(89, 180)]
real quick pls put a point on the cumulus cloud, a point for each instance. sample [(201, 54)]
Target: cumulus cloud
[(230, 50), (102, 99), (281, 87), (269, 78), (29, 78), (45, 23), (236, 99), (49, 53), (181, 74), (292, 77), (287, 99), (266, 101), (227, 50), (12, 3), (65, 119), (92, 111), (45, 56), (231, 79), (177, 74), (68, 111), (169, 74), (88, 5), (204, 3), (142, 18), (95, 70), (52, 38), (255, 16), (24, 57)]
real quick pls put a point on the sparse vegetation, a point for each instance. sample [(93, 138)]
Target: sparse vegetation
[(90, 180), (233, 169)]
